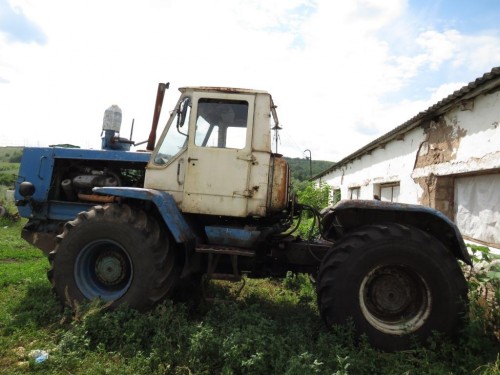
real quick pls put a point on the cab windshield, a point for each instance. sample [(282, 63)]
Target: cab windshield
[(176, 138)]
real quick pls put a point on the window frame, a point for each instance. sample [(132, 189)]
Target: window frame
[(352, 190), (250, 99), (391, 185)]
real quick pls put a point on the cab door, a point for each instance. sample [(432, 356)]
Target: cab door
[(219, 154)]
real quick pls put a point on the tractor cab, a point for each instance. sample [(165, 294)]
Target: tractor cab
[(214, 155)]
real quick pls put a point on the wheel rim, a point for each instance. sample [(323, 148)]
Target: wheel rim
[(103, 269), (395, 299)]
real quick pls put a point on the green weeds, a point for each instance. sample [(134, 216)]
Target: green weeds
[(270, 327)]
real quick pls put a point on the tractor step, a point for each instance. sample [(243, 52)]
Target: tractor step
[(215, 252)]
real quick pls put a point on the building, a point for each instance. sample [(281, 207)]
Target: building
[(446, 157)]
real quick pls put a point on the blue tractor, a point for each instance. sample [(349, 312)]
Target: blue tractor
[(210, 198)]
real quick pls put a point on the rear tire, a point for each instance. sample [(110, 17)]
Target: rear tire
[(396, 283), (115, 253)]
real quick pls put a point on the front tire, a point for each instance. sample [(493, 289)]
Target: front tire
[(115, 253), (395, 282)]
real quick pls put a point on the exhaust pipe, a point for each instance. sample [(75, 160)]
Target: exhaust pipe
[(156, 116)]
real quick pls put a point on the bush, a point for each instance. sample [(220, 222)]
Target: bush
[(315, 196), (484, 284)]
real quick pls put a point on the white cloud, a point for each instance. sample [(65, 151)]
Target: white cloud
[(329, 65), (439, 47), (470, 51)]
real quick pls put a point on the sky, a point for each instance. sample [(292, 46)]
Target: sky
[(342, 73)]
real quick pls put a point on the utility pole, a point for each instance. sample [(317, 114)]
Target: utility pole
[(310, 163)]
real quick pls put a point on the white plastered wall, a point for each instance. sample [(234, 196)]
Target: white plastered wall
[(394, 163), (477, 152)]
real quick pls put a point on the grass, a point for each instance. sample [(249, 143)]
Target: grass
[(271, 327)]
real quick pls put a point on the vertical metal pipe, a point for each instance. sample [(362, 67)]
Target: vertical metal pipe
[(156, 116)]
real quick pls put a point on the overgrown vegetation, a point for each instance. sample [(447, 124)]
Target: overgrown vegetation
[(271, 327), (308, 193), (484, 281), (316, 197)]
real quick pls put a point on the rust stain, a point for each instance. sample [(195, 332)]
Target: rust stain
[(279, 184), (97, 198)]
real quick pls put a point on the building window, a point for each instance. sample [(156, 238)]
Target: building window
[(389, 192), (354, 193), (477, 207)]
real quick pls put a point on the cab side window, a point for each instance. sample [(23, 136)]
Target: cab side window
[(221, 123)]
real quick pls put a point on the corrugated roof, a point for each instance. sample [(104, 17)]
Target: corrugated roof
[(467, 92)]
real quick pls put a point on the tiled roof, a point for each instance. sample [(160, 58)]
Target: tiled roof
[(467, 92)]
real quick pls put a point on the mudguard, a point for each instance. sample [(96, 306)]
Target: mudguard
[(166, 205), (350, 214)]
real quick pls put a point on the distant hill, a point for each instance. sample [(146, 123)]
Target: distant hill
[(300, 167)]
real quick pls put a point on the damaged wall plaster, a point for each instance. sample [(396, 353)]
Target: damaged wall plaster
[(442, 139)]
